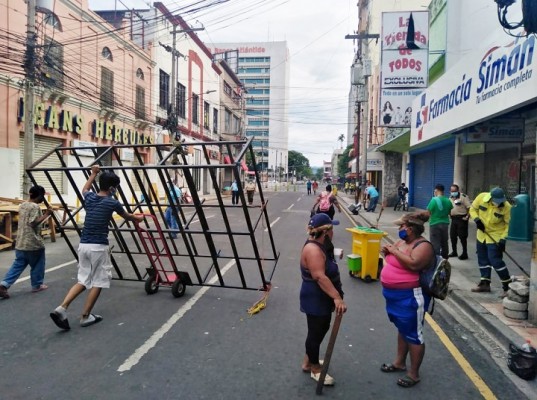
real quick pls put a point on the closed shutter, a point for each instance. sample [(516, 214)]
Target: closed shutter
[(43, 145), (430, 168)]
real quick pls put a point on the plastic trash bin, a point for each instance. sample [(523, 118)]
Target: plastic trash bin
[(354, 262), (366, 243)]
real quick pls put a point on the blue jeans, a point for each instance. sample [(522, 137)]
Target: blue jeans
[(36, 259), (373, 203), (490, 255), (171, 221)]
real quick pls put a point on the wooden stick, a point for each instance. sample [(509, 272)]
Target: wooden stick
[(328, 355)]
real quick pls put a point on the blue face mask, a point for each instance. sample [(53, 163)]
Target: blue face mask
[(403, 234), (454, 194)]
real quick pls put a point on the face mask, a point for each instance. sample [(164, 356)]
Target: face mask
[(454, 194), (112, 191), (403, 234)]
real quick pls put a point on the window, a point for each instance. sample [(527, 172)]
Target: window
[(215, 120), (52, 20), (195, 109), (206, 109), (164, 90), (227, 121), (140, 74), (107, 54), (139, 111), (236, 125), (258, 123), (107, 88), (227, 89), (52, 71), (180, 100)]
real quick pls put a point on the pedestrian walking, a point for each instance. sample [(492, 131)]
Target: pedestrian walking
[(326, 203), (321, 291), (29, 246), (373, 194), (234, 193), (175, 196), (491, 213), (250, 190), (315, 186), (406, 303), (94, 266), (308, 186), (438, 210), (460, 213)]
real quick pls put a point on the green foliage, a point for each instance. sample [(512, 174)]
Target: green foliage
[(299, 164), (343, 162)]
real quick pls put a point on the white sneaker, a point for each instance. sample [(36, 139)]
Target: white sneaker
[(92, 319), (328, 380)]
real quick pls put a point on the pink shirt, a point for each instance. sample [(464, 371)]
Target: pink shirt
[(395, 276)]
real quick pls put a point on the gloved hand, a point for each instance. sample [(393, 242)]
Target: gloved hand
[(501, 245), (479, 224)]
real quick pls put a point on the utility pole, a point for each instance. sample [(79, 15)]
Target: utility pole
[(29, 68)]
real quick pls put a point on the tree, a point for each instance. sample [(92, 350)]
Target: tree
[(341, 139), (343, 162), (298, 164)]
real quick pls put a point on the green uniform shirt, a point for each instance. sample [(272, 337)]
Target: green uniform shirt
[(439, 207)]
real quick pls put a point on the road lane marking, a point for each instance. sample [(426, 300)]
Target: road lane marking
[(291, 206), (273, 222), (48, 270), (197, 220), (464, 364), (165, 328)]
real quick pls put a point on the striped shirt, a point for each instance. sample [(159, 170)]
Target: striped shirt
[(99, 210), (28, 236)]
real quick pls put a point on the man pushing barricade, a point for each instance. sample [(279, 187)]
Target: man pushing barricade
[(94, 266)]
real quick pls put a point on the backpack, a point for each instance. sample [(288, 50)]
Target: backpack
[(324, 204), (434, 280)]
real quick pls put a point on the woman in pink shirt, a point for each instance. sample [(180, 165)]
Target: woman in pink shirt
[(406, 304)]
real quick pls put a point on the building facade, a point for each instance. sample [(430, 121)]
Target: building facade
[(263, 69), (92, 87)]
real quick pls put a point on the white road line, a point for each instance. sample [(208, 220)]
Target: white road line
[(273, 222), (48, 270), (291, 206), (159, 333), (197, 220)]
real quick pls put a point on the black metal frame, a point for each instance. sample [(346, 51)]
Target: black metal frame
[(171, 159)]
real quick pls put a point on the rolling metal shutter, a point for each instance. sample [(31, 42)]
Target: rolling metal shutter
[(432, 167), (42, 146)]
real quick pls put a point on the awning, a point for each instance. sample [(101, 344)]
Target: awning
[(399, 144), (244, 166), (227, 160)]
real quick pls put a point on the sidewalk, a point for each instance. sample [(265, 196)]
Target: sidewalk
[(485, 308)]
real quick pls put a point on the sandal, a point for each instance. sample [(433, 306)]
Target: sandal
[(309, 369), (391, 368), (328, 380), (407, 382)]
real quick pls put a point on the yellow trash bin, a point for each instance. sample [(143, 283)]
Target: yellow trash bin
[(366, 243)]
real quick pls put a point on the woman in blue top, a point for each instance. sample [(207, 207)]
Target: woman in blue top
[(321, 290), (234, 193)]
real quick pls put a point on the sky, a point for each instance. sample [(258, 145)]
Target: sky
[(320, 56)]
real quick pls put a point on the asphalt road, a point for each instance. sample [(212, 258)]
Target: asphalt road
[(205, 346)]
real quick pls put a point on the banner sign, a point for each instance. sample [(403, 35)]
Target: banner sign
[(396, 106), (483, 85), (404, 63), (497, 130)]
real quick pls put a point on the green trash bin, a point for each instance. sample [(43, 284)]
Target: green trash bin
[(521, 223), (354, 262)]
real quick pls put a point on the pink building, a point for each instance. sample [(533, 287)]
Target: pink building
[(93, 85)]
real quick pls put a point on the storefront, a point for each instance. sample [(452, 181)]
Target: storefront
[(481, 116)]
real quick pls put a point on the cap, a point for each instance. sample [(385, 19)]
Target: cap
[(408, 219), (498, 196), (321, 219), (36, 191)]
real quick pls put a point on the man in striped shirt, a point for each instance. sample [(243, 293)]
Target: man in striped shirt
[(94, 266)]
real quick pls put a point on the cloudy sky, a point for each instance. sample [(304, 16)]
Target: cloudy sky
[(320, 56)]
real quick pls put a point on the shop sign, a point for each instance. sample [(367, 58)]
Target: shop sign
[(479, 87), (497, 130), (66, 121)]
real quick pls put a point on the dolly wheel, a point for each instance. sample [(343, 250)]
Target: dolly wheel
[(151, 286), (178, 288), (368, 279)]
